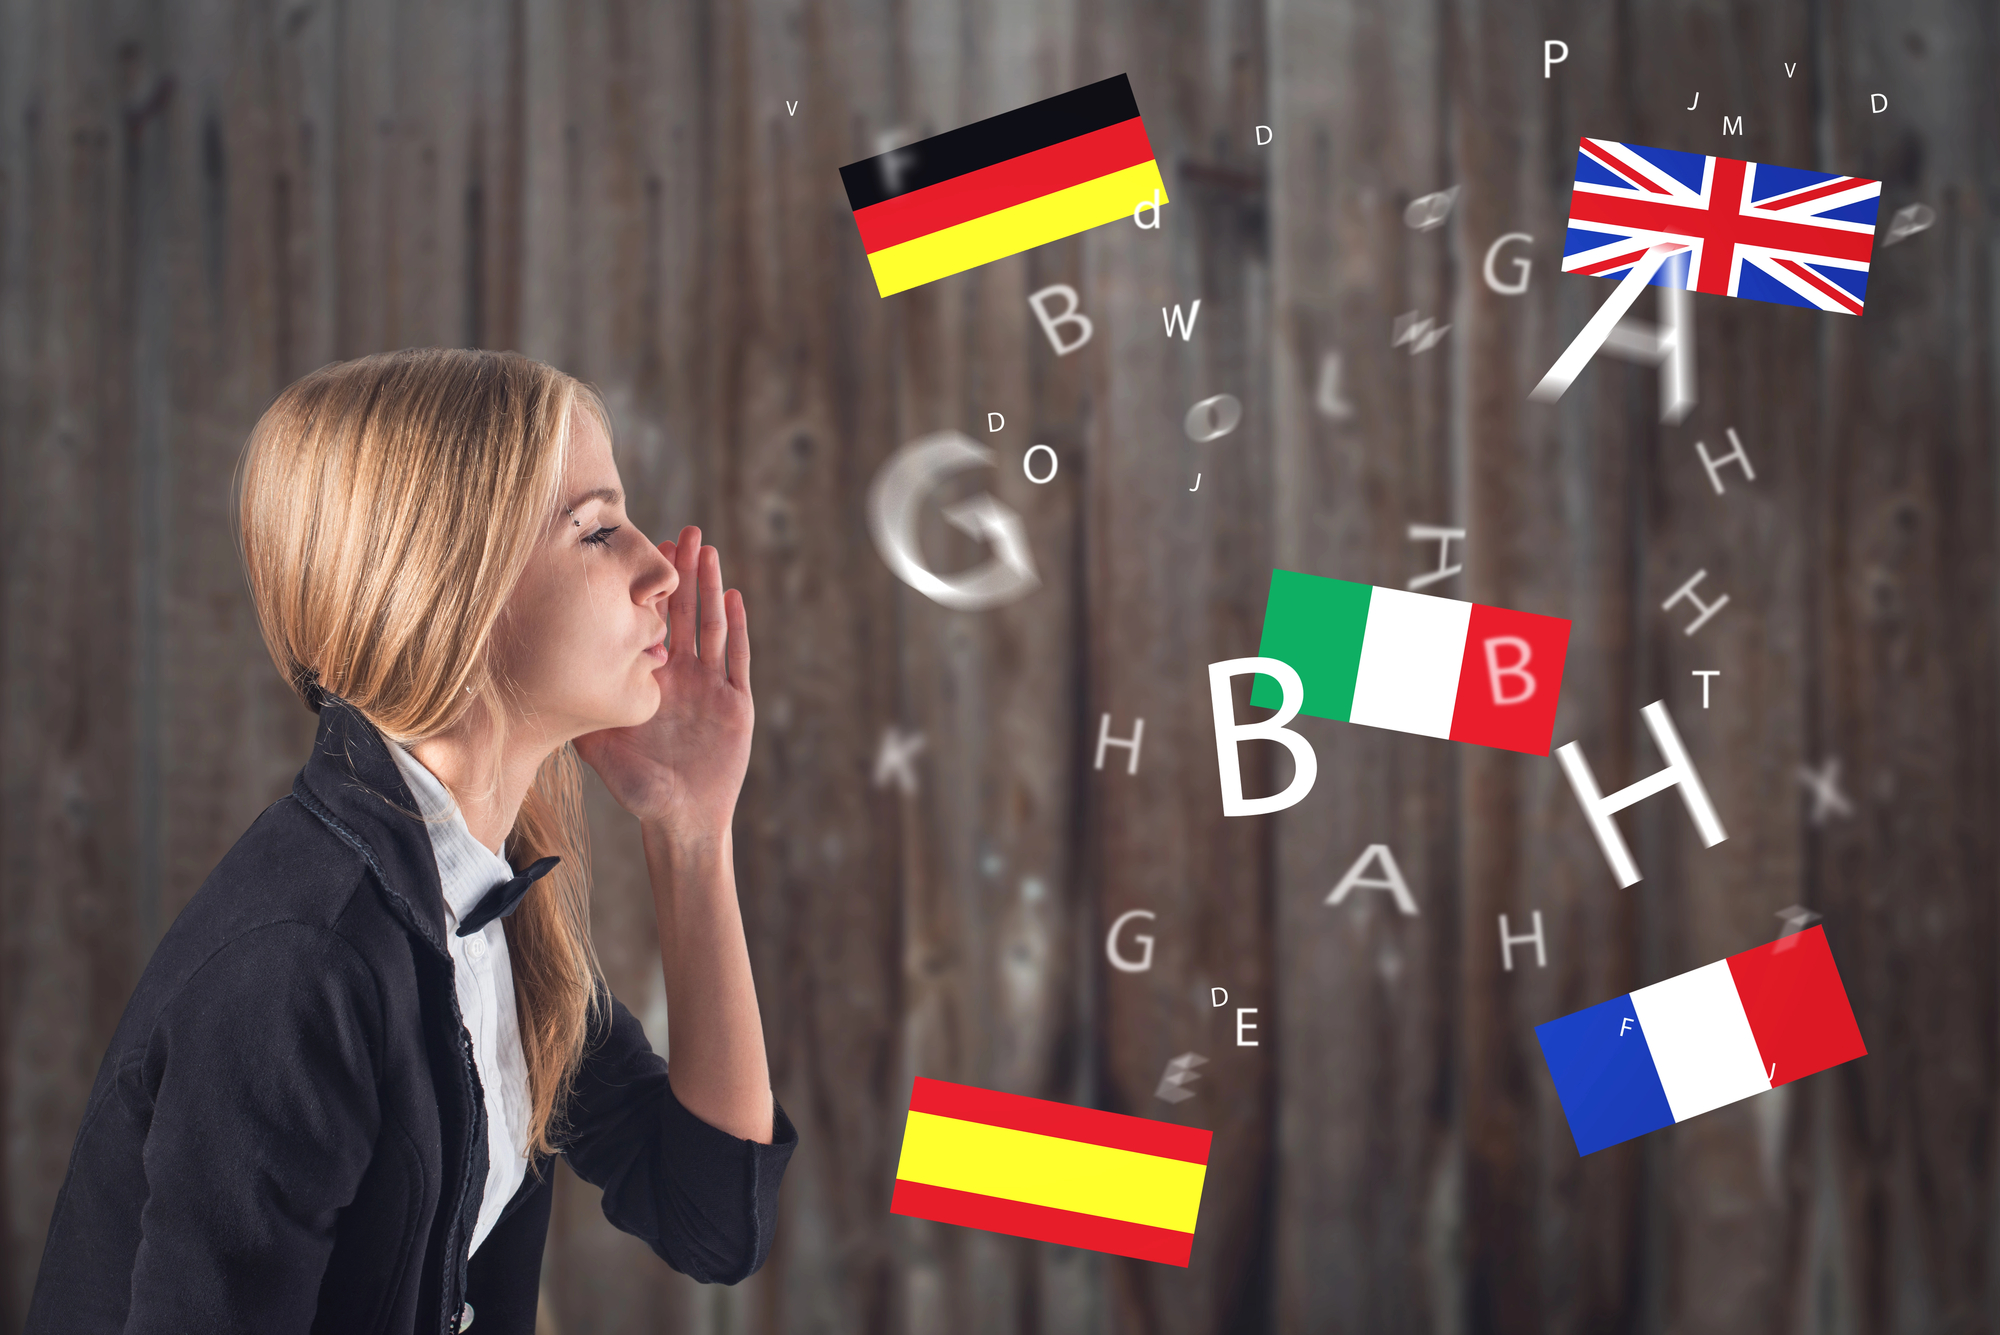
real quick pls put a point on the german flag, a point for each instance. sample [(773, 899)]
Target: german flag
[(1003, 185), (1051, 1171)]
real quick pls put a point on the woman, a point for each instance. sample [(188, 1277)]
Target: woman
[(333, 1099)]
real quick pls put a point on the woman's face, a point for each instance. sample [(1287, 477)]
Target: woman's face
[(577, 635)]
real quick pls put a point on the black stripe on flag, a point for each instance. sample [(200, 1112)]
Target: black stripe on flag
[(983, 143)]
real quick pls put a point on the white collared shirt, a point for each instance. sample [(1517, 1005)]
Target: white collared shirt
[(467, 869)]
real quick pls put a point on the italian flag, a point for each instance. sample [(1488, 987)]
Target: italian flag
[(1055, 1172), (1412, 662)]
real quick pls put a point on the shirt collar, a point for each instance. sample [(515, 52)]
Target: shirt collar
[(467, 869)]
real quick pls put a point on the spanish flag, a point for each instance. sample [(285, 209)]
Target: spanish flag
[(1051, 1171), (1003, 185)]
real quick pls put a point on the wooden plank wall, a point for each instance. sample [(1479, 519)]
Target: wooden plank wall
[(201, 201)]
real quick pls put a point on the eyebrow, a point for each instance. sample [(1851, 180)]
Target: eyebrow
[(612, 494)]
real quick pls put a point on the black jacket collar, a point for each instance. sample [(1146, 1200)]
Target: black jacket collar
[(353, 779)]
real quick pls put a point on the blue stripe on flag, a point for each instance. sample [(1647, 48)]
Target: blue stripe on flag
[(1687, 168), (1774, 181), (1589, 171), (1754, 283), (1853, 281), (1860, 211), (1604, 1075)]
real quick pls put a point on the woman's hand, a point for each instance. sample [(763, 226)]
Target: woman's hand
[(681, 770)]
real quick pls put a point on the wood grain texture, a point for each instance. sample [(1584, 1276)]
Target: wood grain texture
[(201, 202)]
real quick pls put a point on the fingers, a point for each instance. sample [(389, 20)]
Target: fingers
[(739, 640), (714, 624), (681, 602)]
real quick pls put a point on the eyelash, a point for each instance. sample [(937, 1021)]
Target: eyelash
[(602, 537)]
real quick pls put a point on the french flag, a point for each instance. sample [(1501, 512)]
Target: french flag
[(1699, 1040)]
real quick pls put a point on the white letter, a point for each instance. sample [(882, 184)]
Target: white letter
[(1263, 135), (792, 107), (1111, 944), (1104, 739), (1521, 265), (1331, 402), (1028, 471), (1519, 668), (1707, 609), (1738, 122), (1219, 996), (1874, 98), (892, 761), (1213, 418), (1909, 221), (1242, 1025), (1705, 674), (1737, 456), (1507, 943), (1228, 732), (1070, 316), (1680, 771), (896, 495), (994, 421), (1445, 569), (1428, 211), (1391, 880), (1669, 345), (1154, 205), (1550, 59), (1417, 333), (1174, 321)]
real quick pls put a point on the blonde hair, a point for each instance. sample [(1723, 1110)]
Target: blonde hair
[(386, 509)]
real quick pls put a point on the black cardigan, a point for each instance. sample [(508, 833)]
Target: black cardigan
[(288, 1132)]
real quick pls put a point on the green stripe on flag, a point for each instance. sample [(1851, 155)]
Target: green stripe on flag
[(1315, 624)]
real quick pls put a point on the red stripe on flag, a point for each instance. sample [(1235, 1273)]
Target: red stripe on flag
[(1830, 188), (1719, 232), (1797, 1008), (1722, 230), (1069, 1228), (1793, 266), (1093, 1126), (1003, 185), (1510, 679), (1629, 173), (1603, 266)]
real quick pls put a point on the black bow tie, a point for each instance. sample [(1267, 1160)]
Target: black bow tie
[(505, 897)]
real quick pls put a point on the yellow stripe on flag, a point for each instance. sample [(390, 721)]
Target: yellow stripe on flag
[(1051, 1171), (1012, 230)]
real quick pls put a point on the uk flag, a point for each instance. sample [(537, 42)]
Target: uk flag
[(1781, 234)]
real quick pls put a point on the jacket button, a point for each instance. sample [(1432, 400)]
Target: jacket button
[(465, 1319)]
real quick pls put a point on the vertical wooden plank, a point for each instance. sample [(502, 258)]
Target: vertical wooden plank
[(1906, 627), (71, 696), (1367, 1186), (1556, 487), (1166, 570)]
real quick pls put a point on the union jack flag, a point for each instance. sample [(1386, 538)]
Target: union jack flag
[(1768, 233)]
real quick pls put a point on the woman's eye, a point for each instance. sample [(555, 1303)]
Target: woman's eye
[(603, 535)]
